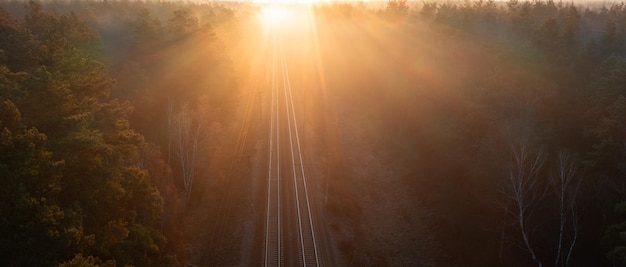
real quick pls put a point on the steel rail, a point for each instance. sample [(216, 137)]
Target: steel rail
[(273, 243), (291, 114)]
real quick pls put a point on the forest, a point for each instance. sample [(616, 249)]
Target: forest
[(497, 128), (471, 133)]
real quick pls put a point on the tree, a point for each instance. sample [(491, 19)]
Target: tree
[(525, 190), (522, 20), (32, 219), (16, 43), (606, 124), (569, 35), (428, 9), (182, 24), (566, 183), (188, 138), (544, 38), (147, 30), (615, 236), (39, 22), (397, 7), (608, 41), (69, 166), (80, 261)]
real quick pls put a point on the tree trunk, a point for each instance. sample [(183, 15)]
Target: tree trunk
[(525, 190)]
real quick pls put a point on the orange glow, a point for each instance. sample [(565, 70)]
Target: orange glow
[(275, 14)]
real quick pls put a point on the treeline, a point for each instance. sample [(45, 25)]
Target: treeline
[(507, 120), (110, 117)]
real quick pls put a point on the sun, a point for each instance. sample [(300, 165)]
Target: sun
[(275, 14), (287, 2)]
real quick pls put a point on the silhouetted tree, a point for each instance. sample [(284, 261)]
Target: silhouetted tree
[(147, 30), (182, 23)]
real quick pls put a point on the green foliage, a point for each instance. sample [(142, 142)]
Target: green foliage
[(147, 30), (89, 261), (539, 71), (615, 237), (544, 37), (396, 8), (81, 184), (182, 24), (608, 41), (105, 206), (523, 21), (607, 119), (29, 189), (70, 186)]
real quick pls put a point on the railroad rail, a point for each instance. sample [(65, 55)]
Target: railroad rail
[(290, 238)]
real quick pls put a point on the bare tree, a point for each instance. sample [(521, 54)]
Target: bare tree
[(566, 185), (188, 142), (575, 228), (525, 189)]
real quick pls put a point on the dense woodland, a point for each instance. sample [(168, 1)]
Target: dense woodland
[(506, 123), (106, 111)]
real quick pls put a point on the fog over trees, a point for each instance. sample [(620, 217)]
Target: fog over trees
[(474, 133)]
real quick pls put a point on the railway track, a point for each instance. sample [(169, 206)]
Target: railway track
[(290, 238)]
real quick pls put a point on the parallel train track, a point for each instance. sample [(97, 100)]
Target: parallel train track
[(290, 238)]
